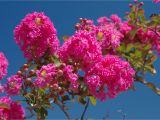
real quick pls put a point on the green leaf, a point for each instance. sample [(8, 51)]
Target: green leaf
[(133, 32), (129, 47), (41, 91), (66, 37), (141, 15), (150, 68), (93, 100), (156, 20), (138, 53), (56, 60), (147, 47)]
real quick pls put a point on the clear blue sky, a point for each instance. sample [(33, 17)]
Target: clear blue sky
[(139, 104)]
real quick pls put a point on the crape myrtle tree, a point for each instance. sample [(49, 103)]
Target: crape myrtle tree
[(98, 61)]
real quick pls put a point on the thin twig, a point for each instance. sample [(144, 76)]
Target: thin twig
[(85, 109), (62, 107), (155, 31)]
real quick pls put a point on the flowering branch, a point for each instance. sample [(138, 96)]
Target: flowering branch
[(98, 61)]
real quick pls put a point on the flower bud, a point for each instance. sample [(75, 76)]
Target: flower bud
[(25, 65), (32, 71), (59, 88), (77, 26), (63, 65), (28, 80), (60, 72), (135, 1), (19, 73), (81, 20), (141, 4), (25, 69), (130, 5), (55, 85)]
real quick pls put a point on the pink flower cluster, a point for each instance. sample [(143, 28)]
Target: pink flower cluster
[(69, 74), (109, 32), (148, 37), (13, 111), (36, 35), (81, 48), (156, 1), (3, 65), (109, 77), (50, 75), (45, 75), (13, 86)]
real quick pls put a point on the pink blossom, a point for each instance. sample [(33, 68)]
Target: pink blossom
[(108, 36), (148, 37), (82, 50), (71, 76), (108, 77), (103, 20), (124, 27), (85, 24), (36, 35), (115, 18), (45, 75), (51, 74), (156, 1), (3, 65), (14, 111), (13, 86)]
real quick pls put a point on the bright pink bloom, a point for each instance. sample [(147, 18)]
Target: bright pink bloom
[(50, 74), (156, 1), (124, 27), (3, 65), (115, 18), (108, 77), (109, 36), (82, 49), (36, 35), (45, 75), (13, 86), (103, 20), (14, 111), (71, 76)]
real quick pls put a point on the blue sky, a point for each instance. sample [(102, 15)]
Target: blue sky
[(139, 104)]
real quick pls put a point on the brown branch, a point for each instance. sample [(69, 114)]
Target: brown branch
[(62, 107), (85, 109)]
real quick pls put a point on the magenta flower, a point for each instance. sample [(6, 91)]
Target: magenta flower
[(45, 75), (103, 20), (36, 35), (115, 18), (109, 77), (156, 1), (14, 111), (82, 50), (71, 76), (108, 36), (3, 65), (13, 86)]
